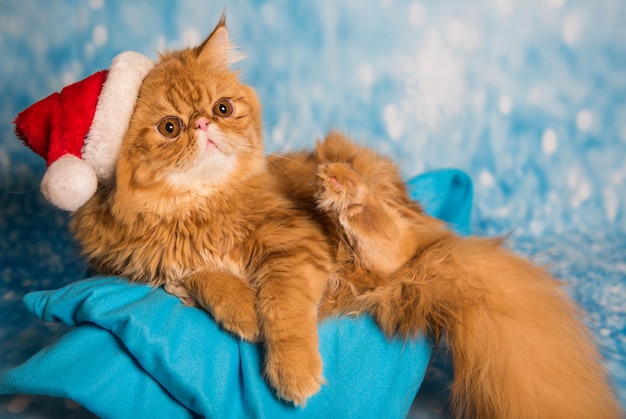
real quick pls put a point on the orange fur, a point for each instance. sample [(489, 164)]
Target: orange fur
[(196, 210), (268, 249), (519, 346)]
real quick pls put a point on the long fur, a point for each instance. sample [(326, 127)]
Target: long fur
[(268, 246), (519, 345), (195, 209)]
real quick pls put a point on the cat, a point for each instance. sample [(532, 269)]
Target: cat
[(194, 208), (271, 245)]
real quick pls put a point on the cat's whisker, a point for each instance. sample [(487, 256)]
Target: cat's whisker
[(280, 156), (270, 154), (38, 216), (25, 191), (274, 163)]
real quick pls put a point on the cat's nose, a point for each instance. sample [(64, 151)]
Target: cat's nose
[(202, 123)]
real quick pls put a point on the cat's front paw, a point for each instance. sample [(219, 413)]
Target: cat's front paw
[(294, 372), (240, 321), (340, 188), (178, 290)]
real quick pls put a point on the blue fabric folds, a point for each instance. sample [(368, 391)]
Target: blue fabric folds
[(445, 194), (137, 351)]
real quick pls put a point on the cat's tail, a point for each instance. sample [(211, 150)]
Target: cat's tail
[(519, 346)]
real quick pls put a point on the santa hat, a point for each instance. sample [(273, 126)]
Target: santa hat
[(79, 131)]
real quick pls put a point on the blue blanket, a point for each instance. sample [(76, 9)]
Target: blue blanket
[(137, 351)]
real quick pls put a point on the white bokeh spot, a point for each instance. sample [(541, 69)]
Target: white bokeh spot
[(393, 122), (90, 50), (366, 74), (580, 186), (486, 178), (611, 203), (461, 35), (555, 4), (535, 95), (269, 14), (455, 31), (96, 4), (506, 7), (279, 132), (571, 29), (549, 141), (584, 120), (191, 37), (100, 36), (505, 104), (434, 82), (161, 43), (417, 14), (582, 194)]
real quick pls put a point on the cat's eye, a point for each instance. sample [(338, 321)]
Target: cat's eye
[(223, 108), (169, 127)]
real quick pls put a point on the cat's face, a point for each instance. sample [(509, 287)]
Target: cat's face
[(195, 125)]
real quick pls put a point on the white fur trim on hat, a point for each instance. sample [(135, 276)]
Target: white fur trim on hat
[(69, 182), (113, 112)]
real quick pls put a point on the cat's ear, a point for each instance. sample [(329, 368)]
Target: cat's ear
[(217, 47)]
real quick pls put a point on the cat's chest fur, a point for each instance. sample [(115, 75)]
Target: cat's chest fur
[(214, 233), (147, 243)]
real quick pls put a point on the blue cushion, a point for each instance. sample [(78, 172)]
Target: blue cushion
[(137, 351), (445, 194)]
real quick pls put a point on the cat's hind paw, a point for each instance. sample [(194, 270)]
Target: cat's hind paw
[(340, 188)]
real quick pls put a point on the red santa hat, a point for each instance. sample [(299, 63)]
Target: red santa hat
[(79, 131)]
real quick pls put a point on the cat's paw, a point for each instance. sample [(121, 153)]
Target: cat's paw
[(339, 187), (295, 372), (178, 290), (241, 321), (230, 301)]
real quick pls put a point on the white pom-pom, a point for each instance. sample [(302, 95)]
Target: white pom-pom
[(69, 182)]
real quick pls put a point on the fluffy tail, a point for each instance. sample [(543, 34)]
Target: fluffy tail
[(519, 346)]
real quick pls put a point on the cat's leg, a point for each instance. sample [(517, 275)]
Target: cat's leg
[(230, 301), (374, 230), (288, 318), (291, 281)]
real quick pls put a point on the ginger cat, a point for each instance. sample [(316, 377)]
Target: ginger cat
[(268, 246), (195, 208)]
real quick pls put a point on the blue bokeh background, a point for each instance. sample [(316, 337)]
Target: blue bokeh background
[(528, 97)]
